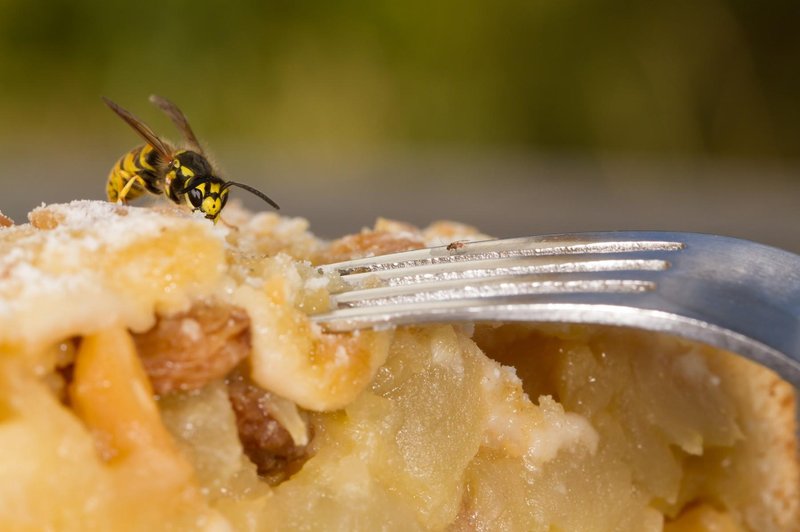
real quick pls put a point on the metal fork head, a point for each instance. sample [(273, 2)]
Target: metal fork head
[(737, 295)]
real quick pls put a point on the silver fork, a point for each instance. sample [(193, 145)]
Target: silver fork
[(738, 295)]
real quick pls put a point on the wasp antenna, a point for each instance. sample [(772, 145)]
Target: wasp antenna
[(254, 191)]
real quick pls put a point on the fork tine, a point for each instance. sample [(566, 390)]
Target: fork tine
[(506, 249), (498, 268), (501, 259), (495, 286), (485, 272)]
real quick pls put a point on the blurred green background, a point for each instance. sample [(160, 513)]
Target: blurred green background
[(520, 117)]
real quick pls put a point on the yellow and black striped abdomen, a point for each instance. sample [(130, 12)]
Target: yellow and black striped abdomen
[(142, 166)]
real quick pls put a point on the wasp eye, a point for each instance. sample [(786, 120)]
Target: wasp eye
[(195, 197)]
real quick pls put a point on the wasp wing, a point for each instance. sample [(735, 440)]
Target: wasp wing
[(180, 121), (161, 147)]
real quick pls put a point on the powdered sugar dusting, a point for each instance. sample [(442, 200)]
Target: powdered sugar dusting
[(111, 224), (88, 251)]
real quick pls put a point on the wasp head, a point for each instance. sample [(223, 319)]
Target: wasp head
[(204, 191), (207, 194), (195, 178)]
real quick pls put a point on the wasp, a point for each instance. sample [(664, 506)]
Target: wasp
[(183, 175)]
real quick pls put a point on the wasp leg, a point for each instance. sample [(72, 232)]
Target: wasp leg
[(127, 188), (228, 225)]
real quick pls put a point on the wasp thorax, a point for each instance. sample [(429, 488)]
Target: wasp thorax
[(191, 164)]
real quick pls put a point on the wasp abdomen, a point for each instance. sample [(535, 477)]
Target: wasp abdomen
[(136, 172)]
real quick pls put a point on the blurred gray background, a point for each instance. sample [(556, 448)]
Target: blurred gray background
[(517, 117)]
